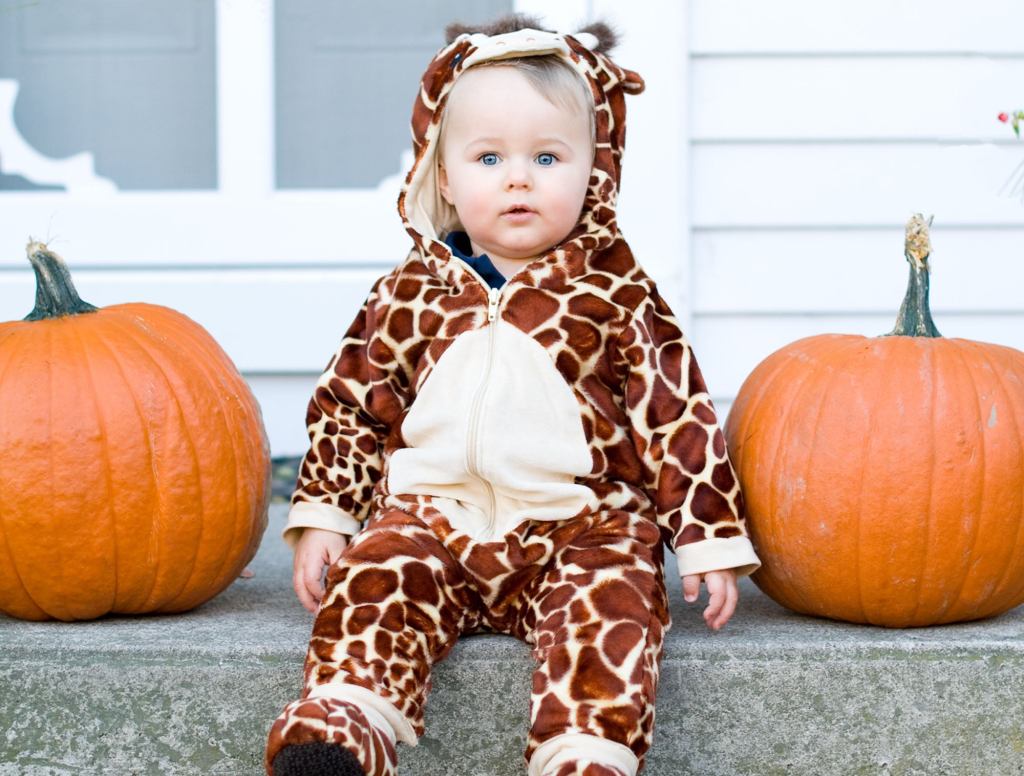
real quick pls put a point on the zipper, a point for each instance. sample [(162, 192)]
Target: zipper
[(474, 451)]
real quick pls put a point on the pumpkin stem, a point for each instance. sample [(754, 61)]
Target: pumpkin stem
[(55, 293), (915, 316)]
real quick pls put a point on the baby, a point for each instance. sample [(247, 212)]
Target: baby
[(511, 428)]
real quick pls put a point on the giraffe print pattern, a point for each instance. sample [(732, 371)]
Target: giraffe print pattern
[(586, 592), (588, 595)]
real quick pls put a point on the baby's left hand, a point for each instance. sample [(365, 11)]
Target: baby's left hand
[(723, 591)]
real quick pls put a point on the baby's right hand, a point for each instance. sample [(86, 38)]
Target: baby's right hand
[(315, 549)]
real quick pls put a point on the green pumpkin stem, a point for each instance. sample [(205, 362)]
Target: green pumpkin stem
[(915, 316), (56, 296)]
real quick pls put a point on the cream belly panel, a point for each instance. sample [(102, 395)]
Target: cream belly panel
[(495, 436)]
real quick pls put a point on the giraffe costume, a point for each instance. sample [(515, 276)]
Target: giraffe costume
[(510, 460)]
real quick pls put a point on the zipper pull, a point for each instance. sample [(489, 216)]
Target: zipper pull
[(492, 303)]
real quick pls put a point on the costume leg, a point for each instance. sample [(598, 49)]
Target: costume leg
[(597, 620), (395, 604)]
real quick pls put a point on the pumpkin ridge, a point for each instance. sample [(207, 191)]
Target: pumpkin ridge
[(158, 342), (144, 426), (874, 432), (847, 347), (975, 524), (12, 564), (49, 452), (236, 387), (837, 357), (774, 399), (1014, 363), (87, 370), (1017, 436), (226, 557), (239, 388), (232, 387), (61, 604), (742, 418), (242, 393), (921, 590), (790, 403)]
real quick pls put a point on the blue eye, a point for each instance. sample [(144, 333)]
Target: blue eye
[(546, 160), (489, 159)]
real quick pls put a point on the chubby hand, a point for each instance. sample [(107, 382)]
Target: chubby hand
[(315, 549), (723, 591)]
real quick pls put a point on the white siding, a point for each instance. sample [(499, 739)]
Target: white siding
[(817, 129)]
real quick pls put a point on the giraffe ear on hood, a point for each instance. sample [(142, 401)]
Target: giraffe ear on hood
[(599, 37), (632, 83)]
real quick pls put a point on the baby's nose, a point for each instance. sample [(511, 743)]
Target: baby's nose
[(517, 176)]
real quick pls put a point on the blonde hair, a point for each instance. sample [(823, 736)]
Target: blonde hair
[(553, 78)]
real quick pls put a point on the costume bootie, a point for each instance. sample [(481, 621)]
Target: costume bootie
[(328, 737)]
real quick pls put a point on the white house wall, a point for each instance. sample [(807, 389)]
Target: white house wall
[(817, 129)]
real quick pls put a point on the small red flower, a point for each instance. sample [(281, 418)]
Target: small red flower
[(1003, 117)]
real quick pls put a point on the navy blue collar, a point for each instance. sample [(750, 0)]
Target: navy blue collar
[(461, 247)]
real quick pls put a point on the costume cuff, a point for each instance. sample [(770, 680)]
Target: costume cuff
[(550, 756), (377, 709), (717, 554), (306, 514)]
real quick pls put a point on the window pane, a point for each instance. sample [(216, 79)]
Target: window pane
[(347, 75), (134, 83)]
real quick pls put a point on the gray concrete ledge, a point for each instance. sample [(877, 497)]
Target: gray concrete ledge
[(772, 693)]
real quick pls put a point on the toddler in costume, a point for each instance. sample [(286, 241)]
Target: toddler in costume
[(509, 431)]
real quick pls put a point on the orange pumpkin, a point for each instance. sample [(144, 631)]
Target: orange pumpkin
[(134, 466), (884, 477)]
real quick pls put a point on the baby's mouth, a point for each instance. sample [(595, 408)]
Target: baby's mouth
[(518, 210)]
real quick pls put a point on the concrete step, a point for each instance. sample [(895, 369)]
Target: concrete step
[(772, 693)]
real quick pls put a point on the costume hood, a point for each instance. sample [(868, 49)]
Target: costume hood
[(420, 203)]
